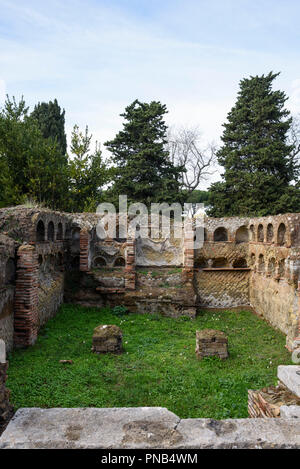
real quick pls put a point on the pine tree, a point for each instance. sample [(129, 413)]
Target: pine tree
[(255, 154), (51, 121), (88, 173), (31, 166), (143, 170)]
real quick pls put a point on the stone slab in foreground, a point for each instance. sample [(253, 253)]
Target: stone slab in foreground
[(290, 376), (142, 427)]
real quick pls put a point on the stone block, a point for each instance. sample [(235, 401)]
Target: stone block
[(290, 412), (210, 342), (289, 375), (2, 351), (107, 339), (142, 427)]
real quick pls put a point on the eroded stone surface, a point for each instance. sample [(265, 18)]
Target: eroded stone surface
[(290, 411), (2, 351), (143, 427), (289, 375)]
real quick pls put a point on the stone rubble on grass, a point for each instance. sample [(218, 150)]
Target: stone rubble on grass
[(282, 400)]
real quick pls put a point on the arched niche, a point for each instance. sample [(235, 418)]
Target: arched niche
[(40, 231), (281, 234), (119, 262), (240, 263), (242, 235), (59, 235), (50, 231), (220, 234), (260, 233)]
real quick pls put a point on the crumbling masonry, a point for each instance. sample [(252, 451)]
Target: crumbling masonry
[(47, 257)]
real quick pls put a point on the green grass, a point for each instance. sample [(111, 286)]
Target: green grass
[(158, 367)]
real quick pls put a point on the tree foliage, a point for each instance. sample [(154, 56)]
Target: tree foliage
[(51, 121), (143, 170), (31, 166), (88, 172), (256, 155)]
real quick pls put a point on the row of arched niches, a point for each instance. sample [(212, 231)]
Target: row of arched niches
[(266, 234), (259, 234)]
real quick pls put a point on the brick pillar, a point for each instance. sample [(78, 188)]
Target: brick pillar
[(188, 253), (84, 251), (5, 407), (26, 320), (130, 265)]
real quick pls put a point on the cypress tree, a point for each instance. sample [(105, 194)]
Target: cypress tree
[(143, 170), (51, 121), (255, 154)]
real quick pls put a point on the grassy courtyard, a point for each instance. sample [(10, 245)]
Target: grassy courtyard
[(157, 368)]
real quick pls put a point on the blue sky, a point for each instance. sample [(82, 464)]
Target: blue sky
[(97, 56)]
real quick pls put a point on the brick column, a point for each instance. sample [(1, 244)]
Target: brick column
[(5, 407), (84, 251), (26, 320), (188, 253), (130, 265)]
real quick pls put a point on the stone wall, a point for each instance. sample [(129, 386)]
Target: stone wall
[(242, 262), (222, 289)]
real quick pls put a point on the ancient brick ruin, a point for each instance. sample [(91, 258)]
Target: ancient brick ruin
[(47, 257)]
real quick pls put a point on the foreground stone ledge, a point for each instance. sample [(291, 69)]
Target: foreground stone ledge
[(142, 427)]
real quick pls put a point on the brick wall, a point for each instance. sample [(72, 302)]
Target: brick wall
[(222, 289), (26, 320)]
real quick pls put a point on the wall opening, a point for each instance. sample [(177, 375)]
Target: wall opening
[(281, 267), (99, 262), (261, 263), (281, 236), (252, 234), (272, 266), (40, 231), (242, 235), (219, 263), (119, 262), (200, 263), (59, 236), (50, 234), (260, 233), (10, 272), (270, 233), (240, 263), (220, 234)]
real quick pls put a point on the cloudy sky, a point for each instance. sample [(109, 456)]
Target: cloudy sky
[(97, 56)]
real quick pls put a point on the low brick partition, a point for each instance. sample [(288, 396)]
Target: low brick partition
[(210, 342), (107, 339), (26, 317)]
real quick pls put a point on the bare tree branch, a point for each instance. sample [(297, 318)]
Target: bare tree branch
[(186, 149)]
